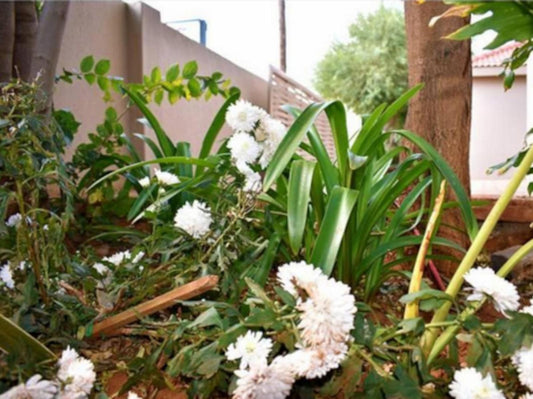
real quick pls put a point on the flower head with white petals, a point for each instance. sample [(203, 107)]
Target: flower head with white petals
[(244, 148), (194, 219), (133, 395), (251, 348), (468, 383), (144, 182), (263, 382), (76, 374), (166, 178), (6, 276), (523, 360), (486, 283), (243, 116)]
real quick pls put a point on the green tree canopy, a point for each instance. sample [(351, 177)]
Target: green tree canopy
[(371, 68)]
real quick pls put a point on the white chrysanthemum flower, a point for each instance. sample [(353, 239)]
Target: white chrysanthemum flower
[(243, 148), (137, 257), (468, 383), (194, 218), (145, 181), (263, 382), (133, 395), (486, 282), (327, 315), (523, 360), (14, 220), (253, 183), (67, 357), (78, 377), (34, 388), (243, 116), (313, 363), (118, 258), (298, 274), (6, 276), (273, 132), (23, 265), (166, 178), (251, 348), (527, 309), (102, 269)]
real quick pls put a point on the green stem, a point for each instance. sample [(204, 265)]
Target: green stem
[(481, 238), (445, 338)]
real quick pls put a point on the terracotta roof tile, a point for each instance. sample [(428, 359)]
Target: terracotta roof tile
[(494, 58)]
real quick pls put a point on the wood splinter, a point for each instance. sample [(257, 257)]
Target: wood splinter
[(187, 291)]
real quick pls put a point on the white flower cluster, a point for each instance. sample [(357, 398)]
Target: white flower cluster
[(327, 314), (161, 177), (6, 277), (15, 219), (486, 283), (117, 259), (256, 137), (468, 383), (194, 219), (75, 380)]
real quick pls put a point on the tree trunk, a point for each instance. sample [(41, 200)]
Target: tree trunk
[(7, 39), (25, 34), (46, 52), (282, 37), (441, 111)]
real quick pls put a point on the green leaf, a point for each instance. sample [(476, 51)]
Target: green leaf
[(140, 201), (208, 318), (166, 160), (258, 291), (155, 76), (215, 127), (164, 141), (103, 83), (102, 67), (328, 241), (172, 73), (190, 69), (194, 87), (452, 179), (301, 175), (158, 97), (153, 146), (183, 149), (87, 64), (295, 135), (427, 293), (16, 341)]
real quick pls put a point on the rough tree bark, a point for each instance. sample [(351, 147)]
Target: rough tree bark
[(441, 111), (7, 39), (47, 46), (26, 25)]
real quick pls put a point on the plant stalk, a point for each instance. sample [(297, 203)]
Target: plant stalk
[(411, 309), (481, 238), (445, 338)]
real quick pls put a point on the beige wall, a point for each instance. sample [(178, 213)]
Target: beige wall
[(498, 129), (135, 41)]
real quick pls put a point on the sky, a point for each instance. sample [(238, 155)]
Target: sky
[(247, 31)]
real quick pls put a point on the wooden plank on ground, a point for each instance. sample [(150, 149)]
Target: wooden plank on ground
[(519, 210), (187, 291)]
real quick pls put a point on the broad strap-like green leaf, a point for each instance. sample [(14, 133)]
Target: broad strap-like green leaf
[(16, 341), (301, 175), (450, 176), (153, 146), (295, 134), (164, 141), (167, 160), (216, 126), (331, 233)]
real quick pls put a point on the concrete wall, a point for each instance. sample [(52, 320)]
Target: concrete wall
[(498, 129), (133, 38)]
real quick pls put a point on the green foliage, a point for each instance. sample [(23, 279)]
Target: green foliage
[(371, 68), (511, 20), (356, 219)]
